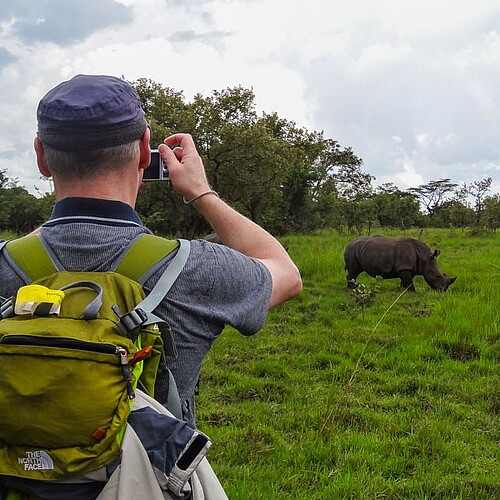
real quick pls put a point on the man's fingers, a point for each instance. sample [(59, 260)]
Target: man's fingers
[(167, 154), (185, 141), (171, 157), (177, 139), (178, 151)]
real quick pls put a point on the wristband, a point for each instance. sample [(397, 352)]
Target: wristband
[(211, 191)]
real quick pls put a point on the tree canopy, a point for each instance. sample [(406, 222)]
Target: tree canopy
[(276, 173)]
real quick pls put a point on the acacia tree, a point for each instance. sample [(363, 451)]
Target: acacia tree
[(433, 194)]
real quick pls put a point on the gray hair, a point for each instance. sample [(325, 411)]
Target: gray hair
[(80, 165)]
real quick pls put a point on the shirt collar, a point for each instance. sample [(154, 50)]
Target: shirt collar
[(93, 209)]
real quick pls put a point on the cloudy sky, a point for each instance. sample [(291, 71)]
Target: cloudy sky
[(412, 87)]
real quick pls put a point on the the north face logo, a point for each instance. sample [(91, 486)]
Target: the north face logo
[(36, 460)]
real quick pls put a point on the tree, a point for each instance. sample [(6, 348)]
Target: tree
[(478, 190), (395, 208), (269, 169), (453, 213), (338, 170), (359, 213), (247, 157), (298, 209), (491, 213), (246, 162), (20, 211), (339, 187), (433, 194), (165, 109)]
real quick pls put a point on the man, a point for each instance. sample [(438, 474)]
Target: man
[(93, 141)]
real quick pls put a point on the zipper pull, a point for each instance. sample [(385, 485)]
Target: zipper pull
[(141, 355), (124, 364)]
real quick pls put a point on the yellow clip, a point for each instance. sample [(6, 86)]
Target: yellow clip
[(32, 297)]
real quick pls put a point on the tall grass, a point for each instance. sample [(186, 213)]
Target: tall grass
[(396, 397)]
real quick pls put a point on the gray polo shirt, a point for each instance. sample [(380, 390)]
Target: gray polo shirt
[(217, 287)]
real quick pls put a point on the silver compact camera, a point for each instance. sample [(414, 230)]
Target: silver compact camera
[(157, 170)]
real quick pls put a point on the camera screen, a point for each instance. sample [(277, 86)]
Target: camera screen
[(156, 170)]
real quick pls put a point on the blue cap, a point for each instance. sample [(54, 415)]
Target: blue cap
[(90, 112)]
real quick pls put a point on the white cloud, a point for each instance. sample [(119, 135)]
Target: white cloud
[(405, 176)]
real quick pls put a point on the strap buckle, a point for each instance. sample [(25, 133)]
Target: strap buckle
[(7, 308), (130, 322)]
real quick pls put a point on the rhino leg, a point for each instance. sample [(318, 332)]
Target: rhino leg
[(353, 271), (351, 283), (406, 278)]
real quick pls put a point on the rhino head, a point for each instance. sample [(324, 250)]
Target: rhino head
[(434, 277)]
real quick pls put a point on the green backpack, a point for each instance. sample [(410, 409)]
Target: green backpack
[(73, 348)]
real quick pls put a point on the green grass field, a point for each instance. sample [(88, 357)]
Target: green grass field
[(370, 394)]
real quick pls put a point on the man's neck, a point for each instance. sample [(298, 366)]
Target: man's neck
[(104, 188)]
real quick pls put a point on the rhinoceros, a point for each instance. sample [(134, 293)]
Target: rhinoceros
[(401, 258)]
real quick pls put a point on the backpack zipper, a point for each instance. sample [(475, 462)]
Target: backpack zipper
[(81, 345)]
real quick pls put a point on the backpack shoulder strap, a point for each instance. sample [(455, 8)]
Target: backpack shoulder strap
[(168, 277), (142, 254), (28, 257), (142, 314)]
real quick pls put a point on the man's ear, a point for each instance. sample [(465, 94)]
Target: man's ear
[(40, 158), (145, 149)]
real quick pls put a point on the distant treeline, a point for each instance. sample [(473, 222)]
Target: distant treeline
[(284, 177)]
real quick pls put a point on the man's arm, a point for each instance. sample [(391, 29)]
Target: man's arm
[(188, 178)]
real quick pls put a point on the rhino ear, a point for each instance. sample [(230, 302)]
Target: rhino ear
[(436, 252)]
